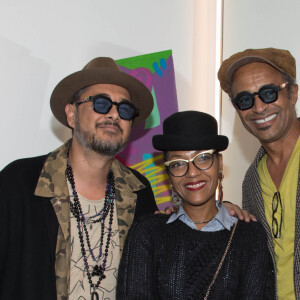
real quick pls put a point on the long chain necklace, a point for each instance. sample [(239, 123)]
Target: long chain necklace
[(108, 209)]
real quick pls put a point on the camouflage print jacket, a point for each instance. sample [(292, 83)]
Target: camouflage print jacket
[(52, 183)]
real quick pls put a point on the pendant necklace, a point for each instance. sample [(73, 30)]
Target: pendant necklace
[(105, 213), (203, 222)]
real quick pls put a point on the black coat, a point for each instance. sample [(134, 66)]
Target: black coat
[(28, 231)]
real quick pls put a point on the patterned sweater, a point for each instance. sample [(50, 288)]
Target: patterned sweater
[(173, 261)]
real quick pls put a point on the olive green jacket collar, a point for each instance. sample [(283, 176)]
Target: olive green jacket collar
[(52, 183)]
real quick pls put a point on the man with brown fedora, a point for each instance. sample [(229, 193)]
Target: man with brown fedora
[(262, 86), (64, 216)]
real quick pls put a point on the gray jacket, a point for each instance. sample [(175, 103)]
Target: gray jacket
[(254, 203)]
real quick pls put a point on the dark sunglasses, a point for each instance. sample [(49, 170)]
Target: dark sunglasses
[(267, 94), (276, 226), (103, 104)]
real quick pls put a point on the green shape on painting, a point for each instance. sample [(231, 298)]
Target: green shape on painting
[(154, 118), (144, 61)]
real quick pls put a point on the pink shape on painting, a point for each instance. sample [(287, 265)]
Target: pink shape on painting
[(144, 75)]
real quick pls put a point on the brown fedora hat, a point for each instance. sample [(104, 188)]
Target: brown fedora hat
[(100, 70)]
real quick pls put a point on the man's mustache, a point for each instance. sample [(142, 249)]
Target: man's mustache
[(110, 123)]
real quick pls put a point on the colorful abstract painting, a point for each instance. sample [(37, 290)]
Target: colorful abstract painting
[(156, 71)]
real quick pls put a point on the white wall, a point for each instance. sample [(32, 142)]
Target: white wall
[(44, 41), (252, 24)]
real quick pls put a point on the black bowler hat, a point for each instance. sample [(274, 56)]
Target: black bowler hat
[(190, 130)]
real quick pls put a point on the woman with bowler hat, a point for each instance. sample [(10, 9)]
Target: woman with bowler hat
[(200, 251)]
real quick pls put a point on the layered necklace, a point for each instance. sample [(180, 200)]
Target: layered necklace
[(106, 213)]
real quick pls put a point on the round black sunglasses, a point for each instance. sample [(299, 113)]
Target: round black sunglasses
[(102, 104), (267, 94)]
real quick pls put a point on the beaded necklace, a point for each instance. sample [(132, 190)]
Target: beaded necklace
[(108, 209)]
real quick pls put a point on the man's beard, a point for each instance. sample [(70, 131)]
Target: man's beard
[(102, 147)]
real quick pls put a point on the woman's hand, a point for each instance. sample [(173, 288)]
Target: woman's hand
[(168, 210), (241, 214)]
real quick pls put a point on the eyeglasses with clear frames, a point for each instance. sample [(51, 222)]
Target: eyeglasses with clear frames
[(202, 161)]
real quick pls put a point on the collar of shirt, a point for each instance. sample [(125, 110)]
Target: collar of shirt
[(222, 219)]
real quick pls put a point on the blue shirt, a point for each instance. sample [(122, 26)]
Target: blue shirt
[(222, 220)]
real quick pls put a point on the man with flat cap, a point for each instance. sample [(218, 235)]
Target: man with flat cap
[(261, 85), (64, 216)]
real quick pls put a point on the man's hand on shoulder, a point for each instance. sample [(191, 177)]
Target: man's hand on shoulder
[(236, 211)]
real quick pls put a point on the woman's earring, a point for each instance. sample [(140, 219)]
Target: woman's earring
[(220, 188), (176, 200)]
